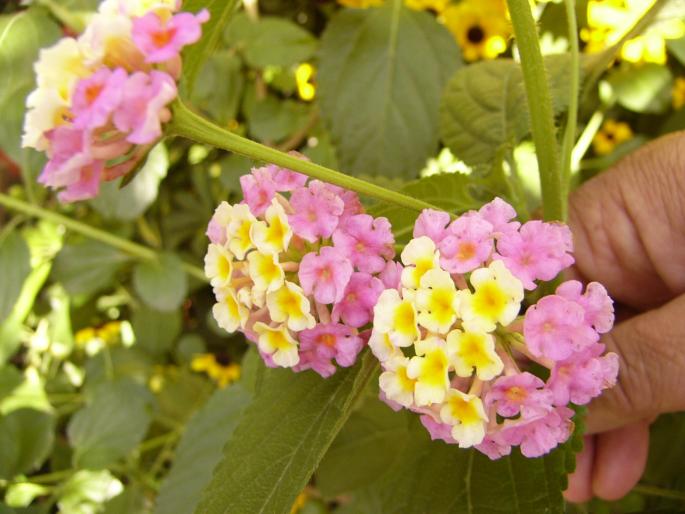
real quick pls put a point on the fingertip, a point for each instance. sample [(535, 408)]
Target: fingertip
[(579, 488), (620, 460)]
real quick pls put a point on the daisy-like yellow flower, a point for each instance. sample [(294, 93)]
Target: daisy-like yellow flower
[(427, 5), (222, 374), (481, 27), (608, 20), (612, 134), (678, 93)]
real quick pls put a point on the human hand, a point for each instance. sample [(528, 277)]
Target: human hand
[(629, 234)]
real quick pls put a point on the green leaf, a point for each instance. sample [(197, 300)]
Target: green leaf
[(220, 88), (437, 478), (667, 446), (200, 450), (26, 438), (162, 284), (87, 267), (111, 425), (453, 192), (195, 56), (380, 78), (22, 35), (129, 202), (156, 331), (645, 89), (15, 265), (281, 438), (370, 444), (677, 48), (131, 501), (270, 41)]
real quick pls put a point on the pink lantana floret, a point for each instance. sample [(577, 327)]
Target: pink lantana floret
[(259, 189), (596, 302), (366, 241), (162, 40), (97, 97), (538, 435), (433, 224), (467, 245), (499, 214), (519, 394), (325, 275), (356, 306), (317, 210)]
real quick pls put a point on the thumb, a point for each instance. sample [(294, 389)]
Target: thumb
[(651, 377)]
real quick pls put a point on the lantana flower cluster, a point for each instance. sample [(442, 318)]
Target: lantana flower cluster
[(298, 267), (455, 350), (102, 98)]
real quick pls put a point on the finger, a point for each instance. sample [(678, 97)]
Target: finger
[(580, 481), (629, 225), (651, 375), (620, 460)]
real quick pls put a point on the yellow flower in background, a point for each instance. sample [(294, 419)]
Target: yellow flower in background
[(427, 5), (299, 502), (361, 4), (303, 78), (612, 134), (222, 374), (678, 94), (94, 339), (481, 27), (608, 20)]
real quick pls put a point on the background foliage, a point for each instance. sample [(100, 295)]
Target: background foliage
[(118, 392)]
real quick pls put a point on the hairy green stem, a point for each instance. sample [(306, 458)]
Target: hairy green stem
[(136, 250), (186, 123), (574, 86), (554, 201)]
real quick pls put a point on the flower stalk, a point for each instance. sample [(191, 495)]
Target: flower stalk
[(554, 199), (186, 123)]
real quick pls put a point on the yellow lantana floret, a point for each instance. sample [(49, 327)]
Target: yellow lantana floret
[(496, 298), (437, 301), (382, 347), (265, 271), (277, 342), (229, 312), (218, 265), (429, 368), (467, 416), (60, 66), (288, 304), (396, 318), (272, 236), (395, 381), (474, 350), (239, 229), (419, 256)]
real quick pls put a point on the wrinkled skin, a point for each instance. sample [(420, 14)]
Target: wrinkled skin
[(629, 231)]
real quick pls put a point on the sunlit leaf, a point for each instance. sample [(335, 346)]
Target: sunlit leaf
[(162, 283), (15, 265)]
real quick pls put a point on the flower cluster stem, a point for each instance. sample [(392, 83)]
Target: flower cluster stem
[(133, 249), (186, 123), (574, 91), (554, 200)]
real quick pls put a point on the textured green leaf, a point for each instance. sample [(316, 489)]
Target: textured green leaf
[(220, 88), (111, 425), (156, 331), (437, 478), (87, 267), (200, 450), (380, 77), (195, 56), (369, 445), (484, 106), (132, 200), (22, 35), (15, 265), (281, 438), (270, 41), (26, 438), (162, 284)]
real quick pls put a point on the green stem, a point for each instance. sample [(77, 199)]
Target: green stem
[(136, 250), (540, 106), (186, 123), (651, 490), (572, 117)]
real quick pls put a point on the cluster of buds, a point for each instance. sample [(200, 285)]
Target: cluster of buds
[(455, 350), (298, 267), (101, 98)]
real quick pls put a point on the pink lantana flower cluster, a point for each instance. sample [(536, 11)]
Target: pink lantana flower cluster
[(298, 267), (102, 98), (455, 349)]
